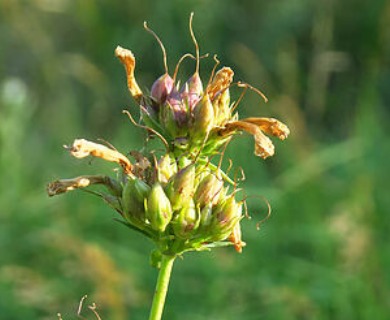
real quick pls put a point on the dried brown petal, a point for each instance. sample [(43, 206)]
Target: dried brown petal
[(221, 81), (263, 145), (271, 126), (64, 185), (128, 60), (82, 148)]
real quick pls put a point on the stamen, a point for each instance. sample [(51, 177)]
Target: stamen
[(246, 85), (268, 213), (195, 43), (235, 105), (161, 45), (187, 55)]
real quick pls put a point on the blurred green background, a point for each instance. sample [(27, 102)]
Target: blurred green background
[(324, 65)]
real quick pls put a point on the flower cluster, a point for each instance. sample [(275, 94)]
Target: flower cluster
[(179, 199)]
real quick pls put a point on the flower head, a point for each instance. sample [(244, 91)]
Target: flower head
[(179, 199)]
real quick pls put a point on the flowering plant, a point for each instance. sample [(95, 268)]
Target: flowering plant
[(179, 199)]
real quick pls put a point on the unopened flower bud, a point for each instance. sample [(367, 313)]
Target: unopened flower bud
[(180, 188), (161, 88), (159, 210), (171, 119), (226, 214), (133, 198), (175, 101), (208, 190), (203, 119), (192, 90), (166, 168), (186, 221), (205, 218)]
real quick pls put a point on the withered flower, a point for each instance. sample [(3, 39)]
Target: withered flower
[(128, 60), (82, 148), (264, 147)]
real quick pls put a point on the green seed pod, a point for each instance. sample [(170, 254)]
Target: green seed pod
[(180, 188), (203, 120), (186, 221), (133, 197), (208, 190), (158, 208)]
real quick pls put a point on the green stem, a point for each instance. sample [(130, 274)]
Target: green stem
[(161, 287)]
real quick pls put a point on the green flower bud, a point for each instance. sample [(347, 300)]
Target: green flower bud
[(208, 190), (186, 221), (133, 197), (158, 208), (203, 120), (166, 168), (225, 215), (180, 188)]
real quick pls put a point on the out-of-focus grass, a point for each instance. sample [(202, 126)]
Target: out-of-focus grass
[(323, 254)]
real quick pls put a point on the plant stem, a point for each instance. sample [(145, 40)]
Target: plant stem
[(161, 287)]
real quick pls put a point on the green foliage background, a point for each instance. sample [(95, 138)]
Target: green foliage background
[(324, 65)]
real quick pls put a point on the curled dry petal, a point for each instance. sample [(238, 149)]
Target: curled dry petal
[(263, 145), (64, 185), (221, 81), (270, 126), (128, 60), (82, 148)]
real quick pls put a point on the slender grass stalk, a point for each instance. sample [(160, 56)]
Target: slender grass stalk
[(161, 287)]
